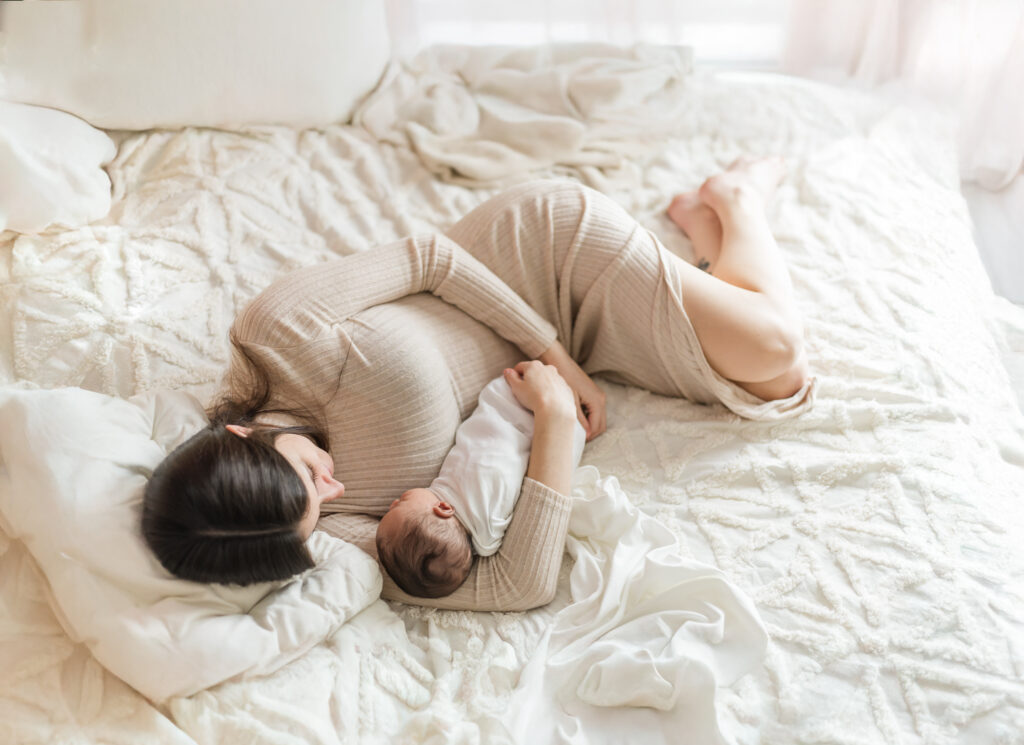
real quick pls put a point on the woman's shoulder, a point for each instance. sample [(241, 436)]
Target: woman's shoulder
[(276, 316)]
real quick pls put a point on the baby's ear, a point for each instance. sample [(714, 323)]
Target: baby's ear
[(238, 429), (443, 509)]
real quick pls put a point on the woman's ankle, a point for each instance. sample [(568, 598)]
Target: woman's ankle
[(732, 198)]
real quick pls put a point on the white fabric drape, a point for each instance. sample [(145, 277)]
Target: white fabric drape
[(966, 54), (747, 33), (417, 23)]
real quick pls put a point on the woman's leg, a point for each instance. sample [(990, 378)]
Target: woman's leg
[(548, 241), (614, 293), (744, 312)]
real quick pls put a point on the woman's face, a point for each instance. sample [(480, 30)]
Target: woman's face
[(316, 469)]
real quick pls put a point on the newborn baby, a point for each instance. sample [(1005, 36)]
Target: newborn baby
[(424, 540)]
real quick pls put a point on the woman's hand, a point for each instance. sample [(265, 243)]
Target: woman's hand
[(590, 400), (542, 390)]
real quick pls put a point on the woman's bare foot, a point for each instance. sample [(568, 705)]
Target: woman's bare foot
[(701, 225), (695, 212), (745, 180)]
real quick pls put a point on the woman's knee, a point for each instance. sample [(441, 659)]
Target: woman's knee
[(783, 368), (785, 385), (789, 343), (779, 348)]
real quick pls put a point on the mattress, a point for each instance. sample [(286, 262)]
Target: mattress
[(879, 536)]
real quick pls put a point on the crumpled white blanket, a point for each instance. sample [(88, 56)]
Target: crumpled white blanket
[(490, 115), (647, 629), (642, 644)]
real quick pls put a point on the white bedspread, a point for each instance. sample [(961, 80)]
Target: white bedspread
[(879, 537), (647, 629)]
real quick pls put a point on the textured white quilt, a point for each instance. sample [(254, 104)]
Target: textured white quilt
[(880, 536)]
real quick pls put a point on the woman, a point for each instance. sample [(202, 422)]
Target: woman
[(385, 372)]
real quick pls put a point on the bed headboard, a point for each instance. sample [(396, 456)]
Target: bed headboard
[(142, 64)]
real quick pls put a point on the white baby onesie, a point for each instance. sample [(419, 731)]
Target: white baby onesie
[(484, 471)]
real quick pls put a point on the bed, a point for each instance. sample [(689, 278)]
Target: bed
[(879, 536)]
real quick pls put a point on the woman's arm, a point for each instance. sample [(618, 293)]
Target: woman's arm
[(523, 574), (590, 400), (543, 391), (306, 303)]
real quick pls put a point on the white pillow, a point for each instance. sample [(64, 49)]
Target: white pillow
[(140, 64), (73, 465), (50, 169)]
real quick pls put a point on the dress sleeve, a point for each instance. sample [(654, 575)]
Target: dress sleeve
[(523, 574), (302, 305)]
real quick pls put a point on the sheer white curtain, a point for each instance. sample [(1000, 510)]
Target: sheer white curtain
[(967, 54), (745, 33)]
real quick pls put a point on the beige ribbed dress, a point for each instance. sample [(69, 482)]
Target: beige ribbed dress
[(393, 346)]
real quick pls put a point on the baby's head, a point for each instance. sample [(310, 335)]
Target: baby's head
[(422, 545)]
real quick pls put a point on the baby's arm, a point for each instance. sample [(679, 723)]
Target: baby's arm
[(484, 470), (523, 574)]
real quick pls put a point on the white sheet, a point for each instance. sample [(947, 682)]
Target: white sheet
[(879, 537), (643, 628), (1008, 321), (646, 641)]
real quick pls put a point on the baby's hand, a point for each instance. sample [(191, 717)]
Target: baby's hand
[(541, 389), (590, 400)]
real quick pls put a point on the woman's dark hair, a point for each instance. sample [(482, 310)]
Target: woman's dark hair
[(224, 508)]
